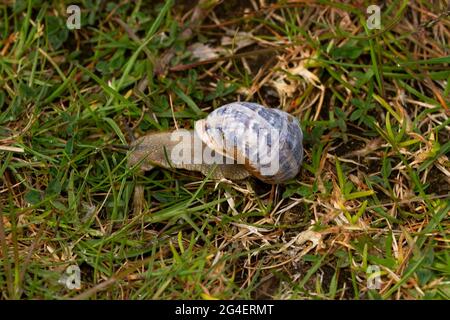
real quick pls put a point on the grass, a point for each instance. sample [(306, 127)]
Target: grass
[(372, 198)]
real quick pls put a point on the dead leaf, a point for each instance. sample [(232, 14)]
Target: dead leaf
[(203, 51)]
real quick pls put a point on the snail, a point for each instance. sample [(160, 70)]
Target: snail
[(235, 141)]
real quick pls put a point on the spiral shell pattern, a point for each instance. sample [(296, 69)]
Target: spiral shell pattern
[(268, 141)]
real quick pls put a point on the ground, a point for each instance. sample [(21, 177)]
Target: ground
[(366, 218)]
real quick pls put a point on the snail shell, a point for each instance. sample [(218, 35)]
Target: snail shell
[(263, 142)]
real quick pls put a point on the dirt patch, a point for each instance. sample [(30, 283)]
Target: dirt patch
[(438, 182), (267, 289), (232, 9)]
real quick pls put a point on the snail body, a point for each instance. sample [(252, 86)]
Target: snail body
[(237, 140)]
